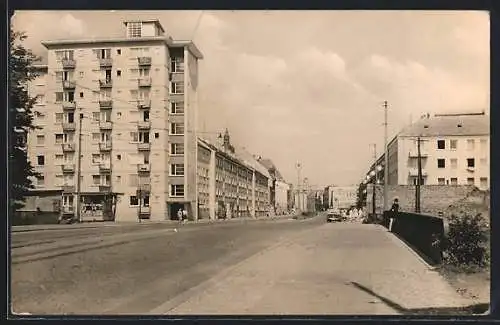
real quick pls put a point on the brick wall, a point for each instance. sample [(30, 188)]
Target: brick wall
[(434, 198)]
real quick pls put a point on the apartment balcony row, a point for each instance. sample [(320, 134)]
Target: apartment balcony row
[(143, 168), (414, 172), (144, 146), (144, 125), (105, 83), (69, 126), (105, 146), (105, 125), (105, 62), (106, 103), (68, 147), (144, 61), (68, 168), (105, 167), (144, 103), (144, 82), (68, 105)]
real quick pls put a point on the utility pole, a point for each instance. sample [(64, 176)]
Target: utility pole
[(386, 159), (374, 205), (299, 205), (419, 178), (79, 170)]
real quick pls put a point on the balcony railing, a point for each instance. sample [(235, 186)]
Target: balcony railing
[(105, 62), (68, 188), (67, 126), (105, 103), (105, 167), (105, 188), (106, 125), (144, 82), (144, 60), (69, 84), (69, 106), (105, 146), (144, 103), (144, 168), (144, 187), (144, 146), (144, 125), (105, 83), (68, 209), (68, 147), (414, 154), (414, 172), (68, 63), (68, 168)]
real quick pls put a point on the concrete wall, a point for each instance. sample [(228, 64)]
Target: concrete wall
[(434, 198)]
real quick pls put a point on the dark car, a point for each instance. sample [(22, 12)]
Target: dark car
[(333, 215)]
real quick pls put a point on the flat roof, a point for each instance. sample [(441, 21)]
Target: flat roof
[(155, 21), (449, 125)]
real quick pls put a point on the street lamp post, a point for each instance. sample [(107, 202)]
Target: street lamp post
[(299, 167)]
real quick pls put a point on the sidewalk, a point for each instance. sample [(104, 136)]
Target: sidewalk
[(129, 224), (331, 269)]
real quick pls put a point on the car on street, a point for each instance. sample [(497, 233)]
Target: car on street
[(333, 215)]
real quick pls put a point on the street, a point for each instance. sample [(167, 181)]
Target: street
[(242, 267)]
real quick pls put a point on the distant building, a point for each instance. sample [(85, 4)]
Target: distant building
[(454, 150), (278, 188), (341, 197)]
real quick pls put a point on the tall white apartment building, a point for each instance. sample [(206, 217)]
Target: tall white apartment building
[(137, 96)]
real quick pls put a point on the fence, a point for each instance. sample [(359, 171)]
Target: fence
[(425, 233)]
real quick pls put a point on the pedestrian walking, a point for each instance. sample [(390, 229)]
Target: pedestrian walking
[(180, 216), (393, 212), (184, 216)]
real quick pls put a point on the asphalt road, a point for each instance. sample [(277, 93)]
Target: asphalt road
[(130, 269)]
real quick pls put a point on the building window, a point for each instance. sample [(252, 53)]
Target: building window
[(470, 181), (470, 144), (41, 160), (177, 108), (454, 181), (470, 163), (96, 179), (453, 144), (177, 128), (157, 135), (441, 144), (177, 190), (177, 148), (177, 87), (40, 181), (134, 29), (483, 182), (441, 181), (40, 139), (119, 157), (177, 169), (453, 163), (81, 74), (133, 200), (118, 73), (96, 158), (177, 64), (134, 136), (119, 51), (441, 163)]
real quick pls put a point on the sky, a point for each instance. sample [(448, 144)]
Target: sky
[(308, 86)]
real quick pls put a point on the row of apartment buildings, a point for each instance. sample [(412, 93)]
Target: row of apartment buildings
[(454, 150), (117, 124)]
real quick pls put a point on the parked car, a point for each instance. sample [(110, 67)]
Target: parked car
[(333, 215)]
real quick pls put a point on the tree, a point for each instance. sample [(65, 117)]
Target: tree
[(21, 72), (361, 196)]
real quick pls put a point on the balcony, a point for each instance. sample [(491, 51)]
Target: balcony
[(144, 146), (145, 188), (143, 168), (105, 125), (414, 154), (105, 62), (105, 83), (144, 103), (69, 106), (68, 147), (145, 212), (105, 146), (105, 167), (68, 63), (144, 125), (144, 82), (144, 61), (69, 84), (105, 103), (68, 188), (105, 188), (67, 126), (413, 172), (68, 168), (68, 209)]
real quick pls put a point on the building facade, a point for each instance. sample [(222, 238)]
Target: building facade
[(454, 150), (278, 187), (121, 113), (340, 197)]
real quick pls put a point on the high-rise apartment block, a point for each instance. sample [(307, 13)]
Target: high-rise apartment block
[(128, 107)]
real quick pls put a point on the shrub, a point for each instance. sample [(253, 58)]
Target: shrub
[(465, 243)]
